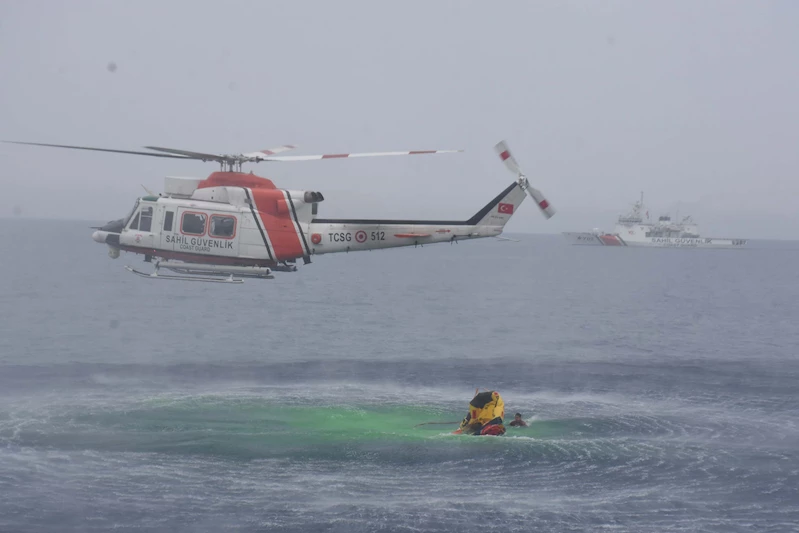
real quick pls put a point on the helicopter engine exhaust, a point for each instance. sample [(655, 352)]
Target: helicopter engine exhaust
[(312, 197)]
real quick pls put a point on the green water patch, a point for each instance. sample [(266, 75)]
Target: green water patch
[(254, 427), (273, 422)]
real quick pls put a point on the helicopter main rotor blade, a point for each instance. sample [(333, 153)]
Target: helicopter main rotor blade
[(273, 151), (193, 155), (366, 154), (100, 149), (261, 155), (253, 157)]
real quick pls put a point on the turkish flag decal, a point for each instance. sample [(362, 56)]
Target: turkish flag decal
[(506, 209)]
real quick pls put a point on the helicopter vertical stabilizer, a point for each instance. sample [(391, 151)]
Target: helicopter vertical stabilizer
[(498, 211)]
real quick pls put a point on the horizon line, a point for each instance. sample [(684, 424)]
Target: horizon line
[(99, 220)]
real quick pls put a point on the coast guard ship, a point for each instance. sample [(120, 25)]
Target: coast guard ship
[(635, 229)]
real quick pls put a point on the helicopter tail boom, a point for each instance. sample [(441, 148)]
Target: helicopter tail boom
[(349, 235)]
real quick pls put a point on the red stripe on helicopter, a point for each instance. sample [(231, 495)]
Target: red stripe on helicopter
[(236, 179), (296, 221), (543, 204), (410, 235), (278, 224), (504, 155)]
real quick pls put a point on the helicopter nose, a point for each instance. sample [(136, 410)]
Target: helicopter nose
[(99, 236)]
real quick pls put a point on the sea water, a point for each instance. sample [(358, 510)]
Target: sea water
[(660, 387)]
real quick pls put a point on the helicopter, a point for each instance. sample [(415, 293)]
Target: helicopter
[(234, 225)]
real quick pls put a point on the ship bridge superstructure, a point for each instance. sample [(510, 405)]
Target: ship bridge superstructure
[(634, 216)]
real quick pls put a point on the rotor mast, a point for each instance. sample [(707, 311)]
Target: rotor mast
[(233, 163)]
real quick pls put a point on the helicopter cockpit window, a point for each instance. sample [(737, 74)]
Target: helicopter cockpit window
[(130, 213), (134, 224), (143, 220), (222, 226), (146, 220), (193, 223)]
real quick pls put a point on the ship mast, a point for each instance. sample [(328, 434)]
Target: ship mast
[(642, 205)]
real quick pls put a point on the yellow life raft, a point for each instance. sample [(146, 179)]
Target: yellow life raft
[(486, 414)]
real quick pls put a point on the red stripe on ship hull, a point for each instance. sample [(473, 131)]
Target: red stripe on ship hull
[(610, 240)]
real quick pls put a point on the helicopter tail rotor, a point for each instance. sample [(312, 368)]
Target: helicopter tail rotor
[(510, 162)]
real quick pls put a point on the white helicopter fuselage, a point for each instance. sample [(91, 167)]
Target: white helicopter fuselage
[(266, 226)]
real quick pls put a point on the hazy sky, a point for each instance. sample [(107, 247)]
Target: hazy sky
[(693, 102)]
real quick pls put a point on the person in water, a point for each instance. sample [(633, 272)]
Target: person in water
[(517, 421)]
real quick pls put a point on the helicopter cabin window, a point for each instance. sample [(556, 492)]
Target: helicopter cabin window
[(222, 226), (193, 223), (168, 216)]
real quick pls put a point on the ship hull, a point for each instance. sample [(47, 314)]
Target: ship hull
[(686, 242), (606, 239), (593, 239)]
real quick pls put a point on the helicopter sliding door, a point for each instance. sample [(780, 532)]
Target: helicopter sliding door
[(168, 222), (198, 231)]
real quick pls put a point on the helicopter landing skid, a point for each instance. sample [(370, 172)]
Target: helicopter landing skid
[(205, 272), (156, 275)]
